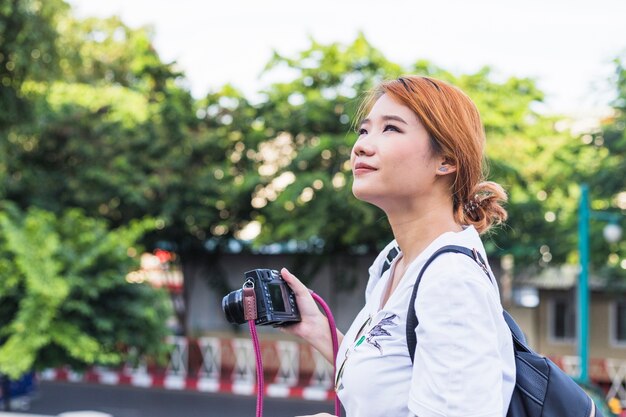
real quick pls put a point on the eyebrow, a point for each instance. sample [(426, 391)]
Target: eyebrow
[(385, 118)]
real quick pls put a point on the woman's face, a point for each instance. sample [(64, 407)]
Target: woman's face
[(392, 160)]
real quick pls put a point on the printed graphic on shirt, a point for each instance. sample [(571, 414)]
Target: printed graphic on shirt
[(378, 331)]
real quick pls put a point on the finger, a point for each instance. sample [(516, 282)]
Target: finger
[(296, 285)]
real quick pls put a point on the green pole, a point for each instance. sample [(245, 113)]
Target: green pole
[(583, 283)]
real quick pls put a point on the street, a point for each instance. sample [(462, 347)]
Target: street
[(53, 398)]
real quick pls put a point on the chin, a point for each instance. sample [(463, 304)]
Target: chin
[(358, 192), (366, 195)]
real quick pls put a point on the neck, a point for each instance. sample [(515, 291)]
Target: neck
[(415, 229)]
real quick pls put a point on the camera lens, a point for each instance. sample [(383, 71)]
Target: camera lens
[(232, 304)]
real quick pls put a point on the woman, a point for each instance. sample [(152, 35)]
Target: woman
[(419, 157)]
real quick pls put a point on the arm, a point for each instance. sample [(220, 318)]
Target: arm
[(459, 359), (314, 325)]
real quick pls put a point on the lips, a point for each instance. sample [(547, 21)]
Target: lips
[(363, 168)]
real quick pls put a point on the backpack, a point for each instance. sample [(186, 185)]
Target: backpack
[(542, 389)]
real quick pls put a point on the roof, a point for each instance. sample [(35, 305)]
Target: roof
[(565, 277)]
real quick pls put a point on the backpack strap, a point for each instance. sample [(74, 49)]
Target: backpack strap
[(411, 318), (393, 252)]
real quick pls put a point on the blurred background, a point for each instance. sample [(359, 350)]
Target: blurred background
[(152, 152)]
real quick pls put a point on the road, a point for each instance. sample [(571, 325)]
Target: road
[(53, 398)]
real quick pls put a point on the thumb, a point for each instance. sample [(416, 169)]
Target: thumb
[(295, 284)]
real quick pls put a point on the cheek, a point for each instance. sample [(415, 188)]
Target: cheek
[(412, 159)]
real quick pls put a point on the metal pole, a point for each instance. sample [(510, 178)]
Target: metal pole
[(583, 283)]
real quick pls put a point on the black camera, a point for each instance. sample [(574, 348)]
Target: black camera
[(275, 302)]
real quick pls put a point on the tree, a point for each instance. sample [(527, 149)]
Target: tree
[(63, 294), (310, 117), (62, 273), (117, 135), (306, 194), (606, 147), (27, 51)]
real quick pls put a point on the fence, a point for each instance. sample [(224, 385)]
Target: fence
[(221, 364), (292, 369)]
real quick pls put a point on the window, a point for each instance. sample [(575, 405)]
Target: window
[(618, 325), (562, 318)]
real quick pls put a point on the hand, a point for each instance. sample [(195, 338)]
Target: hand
[(313, 326), (312, 319)]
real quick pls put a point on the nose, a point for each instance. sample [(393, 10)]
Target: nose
[(363, 147)]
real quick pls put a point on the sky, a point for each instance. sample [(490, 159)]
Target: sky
[(567, 46)]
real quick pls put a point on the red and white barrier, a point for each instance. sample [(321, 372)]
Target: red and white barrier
[(292, 369), (225, 365)]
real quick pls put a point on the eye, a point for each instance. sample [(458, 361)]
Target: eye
[(391, 128), (361, 131)]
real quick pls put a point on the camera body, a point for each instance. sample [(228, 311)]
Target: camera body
[(275, 301)]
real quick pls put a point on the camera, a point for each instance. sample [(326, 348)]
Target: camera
[(275, 301)]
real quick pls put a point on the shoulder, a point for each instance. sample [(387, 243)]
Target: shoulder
[(455, 266), (454, 279), (456, 269)]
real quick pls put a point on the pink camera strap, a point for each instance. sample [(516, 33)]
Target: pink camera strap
[(249, 302)]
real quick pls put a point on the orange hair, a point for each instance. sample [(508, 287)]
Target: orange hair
[(457, 134)]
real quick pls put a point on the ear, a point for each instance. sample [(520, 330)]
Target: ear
[(446, 167)]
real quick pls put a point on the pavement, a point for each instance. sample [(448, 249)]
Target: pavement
[(4, 414), (70, 414), (68, 399)]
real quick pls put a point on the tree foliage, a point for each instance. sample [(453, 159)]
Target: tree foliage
[(607, 164), (63, 294), (307, 194), (64, 128), (113, 130), (28, 51)]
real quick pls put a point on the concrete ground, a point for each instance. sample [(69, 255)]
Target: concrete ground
[(62, 399)]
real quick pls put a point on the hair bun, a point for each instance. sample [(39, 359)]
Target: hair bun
[(484, 207)]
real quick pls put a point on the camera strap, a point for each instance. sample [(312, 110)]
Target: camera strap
[(335, 342), (250, 314), (249, 301)]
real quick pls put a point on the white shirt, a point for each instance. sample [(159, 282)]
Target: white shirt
[(464, 364)]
